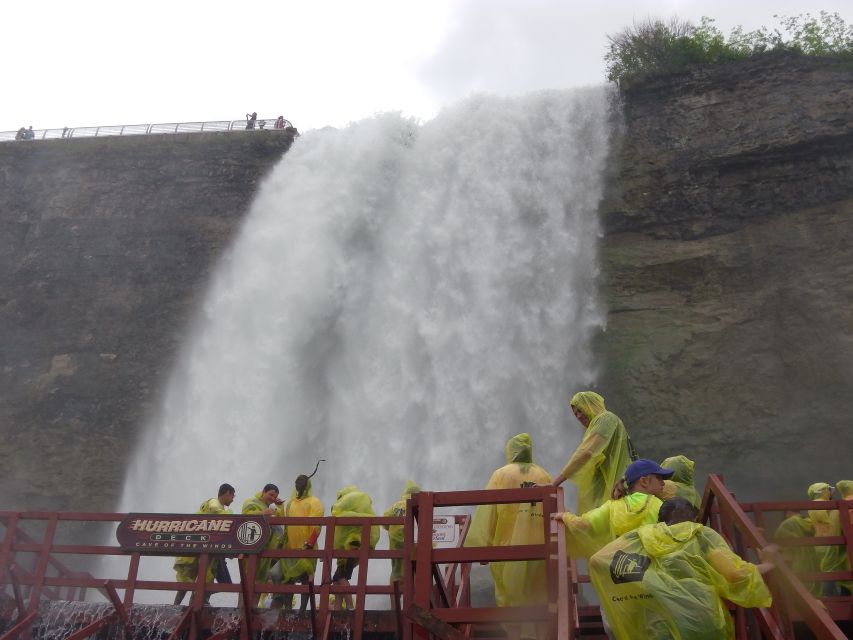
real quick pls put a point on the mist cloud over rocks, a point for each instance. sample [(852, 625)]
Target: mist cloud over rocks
[(513, 47)]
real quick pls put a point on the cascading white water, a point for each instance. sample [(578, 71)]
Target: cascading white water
[(401, 299)]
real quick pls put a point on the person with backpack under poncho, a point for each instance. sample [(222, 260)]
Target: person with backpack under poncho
[(519, 582), (682, 483), (668, 580), (601, 457), (302, 504), (639, 503), (350, 503)]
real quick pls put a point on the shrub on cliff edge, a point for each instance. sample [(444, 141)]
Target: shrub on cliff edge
[(654, 46)]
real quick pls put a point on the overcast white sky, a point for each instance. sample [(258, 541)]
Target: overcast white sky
[(317, 62)]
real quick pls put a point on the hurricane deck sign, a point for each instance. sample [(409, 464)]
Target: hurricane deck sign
[(181, 534)]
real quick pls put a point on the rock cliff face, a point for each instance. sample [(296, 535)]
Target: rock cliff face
[(728, 261), (105, 244), (727, 268)]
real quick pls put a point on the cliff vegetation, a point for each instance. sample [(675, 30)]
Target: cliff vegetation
[(654, 47)]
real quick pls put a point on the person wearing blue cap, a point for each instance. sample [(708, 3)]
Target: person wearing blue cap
[(589, 532)]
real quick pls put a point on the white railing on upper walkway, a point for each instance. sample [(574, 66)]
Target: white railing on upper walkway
[(262, 124)]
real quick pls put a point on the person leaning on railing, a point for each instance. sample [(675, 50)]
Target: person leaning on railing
[(670, 579), (350, 503), (636, 502), (603, 454)]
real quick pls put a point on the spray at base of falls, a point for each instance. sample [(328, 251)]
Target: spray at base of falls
[(400, 300)]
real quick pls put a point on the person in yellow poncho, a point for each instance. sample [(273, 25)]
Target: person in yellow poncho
[(521, 582), (668, 580), (302, 504), (186, 567), (602, 456), (800, 559), (350, 503), (819, 492), (682, 482), (587, 533), (267, 503), (395, 531), (835, 558)]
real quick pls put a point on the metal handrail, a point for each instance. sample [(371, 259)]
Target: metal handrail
[(65, 133), (422, 581), (720, 505)]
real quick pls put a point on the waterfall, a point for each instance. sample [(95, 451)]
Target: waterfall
[(400, 300)]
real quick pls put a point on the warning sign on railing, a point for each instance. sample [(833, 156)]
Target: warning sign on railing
[(444, 530)]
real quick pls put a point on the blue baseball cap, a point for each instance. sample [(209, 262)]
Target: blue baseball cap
[(643, 467)]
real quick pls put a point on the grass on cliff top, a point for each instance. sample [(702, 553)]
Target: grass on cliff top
[(655, 47)]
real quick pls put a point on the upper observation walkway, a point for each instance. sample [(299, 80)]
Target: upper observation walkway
[(29, 135)]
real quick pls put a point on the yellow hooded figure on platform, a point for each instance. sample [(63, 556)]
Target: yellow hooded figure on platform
[(302, 504), (495, 525), (682, 483), (266, 502), (601, 457), (589, 532), (669, 581), (351, 503), (800, 559), (395, 531), (835, 558)]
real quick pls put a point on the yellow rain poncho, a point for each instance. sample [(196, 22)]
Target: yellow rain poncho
[(819, 492), (799, 559), (601, 458), (186, 567), (255, 505), (682, 483), (835, 558), (522, 582), (295, 536), (589, 532), (395, 531), (353, 503), (668, 582)]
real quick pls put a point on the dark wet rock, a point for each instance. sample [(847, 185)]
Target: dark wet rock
[(728, 262)]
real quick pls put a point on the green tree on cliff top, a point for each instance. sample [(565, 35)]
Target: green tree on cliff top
[(654, 46)]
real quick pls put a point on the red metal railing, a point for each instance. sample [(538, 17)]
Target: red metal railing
[(38, 557), (792, 601), (31, 566), (429, 593)]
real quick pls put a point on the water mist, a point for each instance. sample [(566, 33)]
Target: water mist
[(400, 300)]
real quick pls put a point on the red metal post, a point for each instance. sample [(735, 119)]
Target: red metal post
[(132, 575), (423, 559), (44, 558), (8, 540), (361, 590)]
